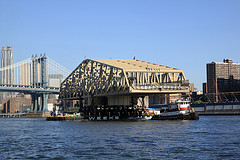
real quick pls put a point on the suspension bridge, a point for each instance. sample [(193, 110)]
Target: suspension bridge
[(37, 76)]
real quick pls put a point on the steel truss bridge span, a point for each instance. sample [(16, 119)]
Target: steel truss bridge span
[(106, 77), (109, 89)]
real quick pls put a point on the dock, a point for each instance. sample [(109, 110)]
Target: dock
[(12, 115), (228, 108), (220, 113)]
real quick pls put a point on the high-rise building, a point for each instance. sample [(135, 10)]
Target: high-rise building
[(55, 80), (7, 60), (7, 76), (222, 77)]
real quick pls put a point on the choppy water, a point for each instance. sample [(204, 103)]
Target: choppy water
[(213, 137)]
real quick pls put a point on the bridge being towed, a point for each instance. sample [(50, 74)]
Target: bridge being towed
[(108, 86)]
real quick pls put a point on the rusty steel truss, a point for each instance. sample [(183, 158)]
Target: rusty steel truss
[(104, 77)]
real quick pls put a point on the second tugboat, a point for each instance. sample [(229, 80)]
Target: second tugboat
[(181, 110)]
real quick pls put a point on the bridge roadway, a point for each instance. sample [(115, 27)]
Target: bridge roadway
[(28, 89)]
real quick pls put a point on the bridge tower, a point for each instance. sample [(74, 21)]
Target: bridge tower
[(39, 79)]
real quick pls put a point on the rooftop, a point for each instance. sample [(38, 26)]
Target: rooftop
[(135, 65)]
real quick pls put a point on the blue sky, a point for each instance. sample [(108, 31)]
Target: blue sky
[(184, 34)]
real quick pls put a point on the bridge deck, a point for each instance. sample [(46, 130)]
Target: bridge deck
[(27, 88)]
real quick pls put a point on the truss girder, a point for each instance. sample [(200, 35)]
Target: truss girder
[(94, 78), (97, 78)]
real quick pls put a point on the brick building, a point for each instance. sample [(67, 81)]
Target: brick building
[(22, 103), (222, 77), (16, 103)]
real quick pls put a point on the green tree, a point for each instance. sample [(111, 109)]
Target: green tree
[(198, 101)]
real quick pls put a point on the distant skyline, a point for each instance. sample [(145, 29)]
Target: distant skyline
[(182, 34)]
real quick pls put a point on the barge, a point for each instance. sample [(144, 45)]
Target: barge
[(180, 110)]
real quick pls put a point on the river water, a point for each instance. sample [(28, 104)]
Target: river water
[(211, 137)]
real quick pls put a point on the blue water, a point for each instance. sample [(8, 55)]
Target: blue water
[(211, 137)]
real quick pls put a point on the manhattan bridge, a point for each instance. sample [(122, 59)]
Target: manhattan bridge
[(37, 76)]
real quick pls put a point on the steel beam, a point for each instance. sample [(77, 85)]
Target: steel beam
[(98, 77)]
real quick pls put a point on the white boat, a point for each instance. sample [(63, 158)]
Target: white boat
[(181, 109)]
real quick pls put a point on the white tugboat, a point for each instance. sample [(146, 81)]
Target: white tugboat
[(181, 109)]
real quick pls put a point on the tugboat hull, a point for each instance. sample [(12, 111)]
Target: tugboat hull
[(190, 116)]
